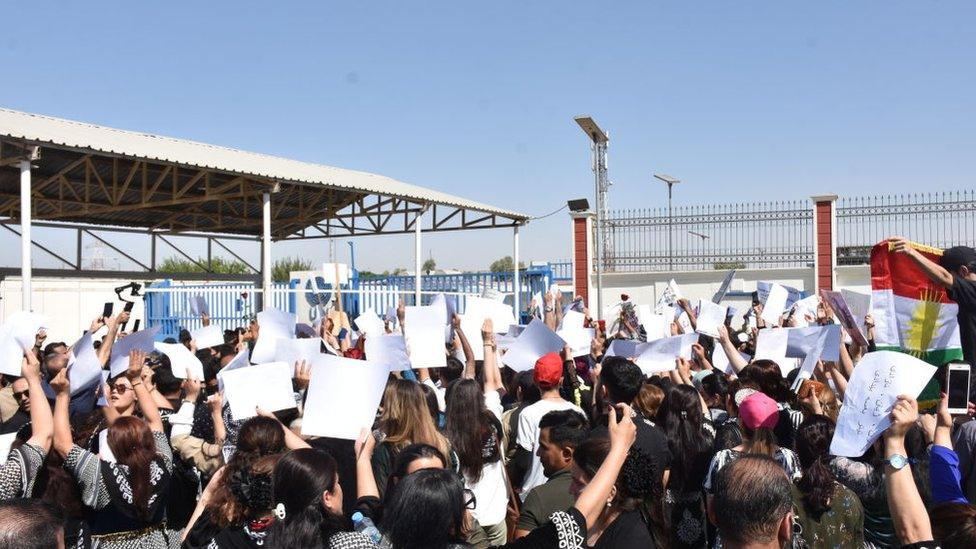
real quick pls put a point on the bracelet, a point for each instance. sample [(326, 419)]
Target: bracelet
[(136, 383)]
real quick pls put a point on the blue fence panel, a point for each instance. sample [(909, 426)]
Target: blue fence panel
[(230, 304), (562, 271)]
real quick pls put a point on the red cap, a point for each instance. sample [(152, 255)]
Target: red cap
[(548, 371), (758, 410)]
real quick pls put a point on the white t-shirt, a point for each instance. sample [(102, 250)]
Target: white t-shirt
[(528, 437), (490, 491)]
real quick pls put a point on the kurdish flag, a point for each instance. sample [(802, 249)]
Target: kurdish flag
[(912, 314)]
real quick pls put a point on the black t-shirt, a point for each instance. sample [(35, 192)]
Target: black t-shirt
[(15, 423), (650, 438), (963, 292), (627, 531)]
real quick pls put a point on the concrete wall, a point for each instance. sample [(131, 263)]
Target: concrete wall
[(69, 304), (646, 287)]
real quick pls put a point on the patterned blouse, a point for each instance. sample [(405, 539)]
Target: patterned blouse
[(18, 473), (842, 525), (87, 469)]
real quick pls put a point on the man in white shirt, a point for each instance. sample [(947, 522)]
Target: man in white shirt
[(526, 468)]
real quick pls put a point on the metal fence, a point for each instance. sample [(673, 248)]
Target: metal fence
[(766, 234), (168, 304), (941, 219), (780, 234)]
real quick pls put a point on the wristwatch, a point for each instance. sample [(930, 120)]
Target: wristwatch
[(897, 461)]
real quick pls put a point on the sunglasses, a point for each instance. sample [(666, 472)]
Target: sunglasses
[(119, 388), (470, 502), (19, 394)]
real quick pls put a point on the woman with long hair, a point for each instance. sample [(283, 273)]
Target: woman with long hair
[(430, 509), (648, 400), (475, 435), (405, 420), (758, 415), (219, 507), (769, 377), (129, 490), (691, 438), (308, 504), (828, 513)]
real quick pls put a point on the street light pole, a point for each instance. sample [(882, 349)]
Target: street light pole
[(670, 181), (600, 140)]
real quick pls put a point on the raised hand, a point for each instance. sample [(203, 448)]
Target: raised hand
[(60, 383), (191, 387), (903, 416), (137, 359), (303, 374), (623, 432)]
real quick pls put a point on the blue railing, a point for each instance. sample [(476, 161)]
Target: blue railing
[(230, 305), (562, 271)]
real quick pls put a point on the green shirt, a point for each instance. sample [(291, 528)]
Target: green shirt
[(546, 499), (842, 525)]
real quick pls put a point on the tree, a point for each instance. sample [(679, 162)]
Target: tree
[(282, 269), (429, 266), (505, 265), (218, 265), (728, 265), (399, 271)]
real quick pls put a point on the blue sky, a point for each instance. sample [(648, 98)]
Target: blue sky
[(743, 101)]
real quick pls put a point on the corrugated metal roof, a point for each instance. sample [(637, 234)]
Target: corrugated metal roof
[(85, 136)]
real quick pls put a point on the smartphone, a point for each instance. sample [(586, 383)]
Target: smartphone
[(128, 306), (135, 325), (957, 386), (107, 309)]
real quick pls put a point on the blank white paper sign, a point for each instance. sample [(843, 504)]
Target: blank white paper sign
[(143, 340), (536, 340), (370, 324), (501, 315), (389, 350), (660, 355), (710, 317), (771, 344), (181, 359), (208, 336), (775, 304), (343, 396), (721, 362), (291, 351), (578, 339), (265, 385), (273, 325), (85, 369), (424, 332)]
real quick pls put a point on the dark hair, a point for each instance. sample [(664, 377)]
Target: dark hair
[(752, 495), (453, 370), (425, 510), (165, 381), (566, 427), (954, 525), (683, 421), (406, 456), (812, 448), (468, 425), (132, 444), (298, 482), (638, 484), (258, 437), (432, 405), (715, 386), (527, 387), (252, 486), (29, 524), (622, 378), (769, 377), (55, 485)]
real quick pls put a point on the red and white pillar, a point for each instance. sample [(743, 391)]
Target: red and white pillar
[(824, 241), (583, 255)]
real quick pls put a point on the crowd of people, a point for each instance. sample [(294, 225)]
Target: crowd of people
[(580, 451)]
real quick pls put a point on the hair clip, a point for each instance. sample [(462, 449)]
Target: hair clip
[(279, 511)]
